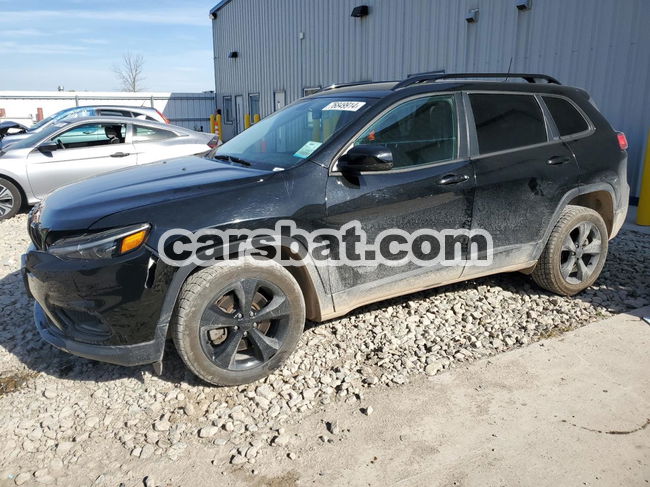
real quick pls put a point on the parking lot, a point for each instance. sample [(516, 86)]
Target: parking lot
[(66, 418)]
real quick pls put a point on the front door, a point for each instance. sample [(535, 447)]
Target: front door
[(239, 113), (84, 150), (430, 187)]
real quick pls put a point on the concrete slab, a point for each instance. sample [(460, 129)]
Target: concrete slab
[(573, 410)]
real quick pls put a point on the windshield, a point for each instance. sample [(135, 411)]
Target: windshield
[(63, 115), (293, 134), (34, 139)]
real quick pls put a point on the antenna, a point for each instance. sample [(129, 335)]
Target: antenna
[(509, 67)]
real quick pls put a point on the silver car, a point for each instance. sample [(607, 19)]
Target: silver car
[(12, 132), (68, 151)]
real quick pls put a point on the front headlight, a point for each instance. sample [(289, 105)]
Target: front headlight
[(101, 245)]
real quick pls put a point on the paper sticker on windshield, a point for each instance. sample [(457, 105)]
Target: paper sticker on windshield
[(346, 106), (307, 149)]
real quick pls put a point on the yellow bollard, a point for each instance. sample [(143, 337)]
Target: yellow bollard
[(211, 123), (643, 211), (219, 127), (256, 118), (247, 121)]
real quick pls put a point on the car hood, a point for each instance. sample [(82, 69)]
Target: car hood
[(79, 205)]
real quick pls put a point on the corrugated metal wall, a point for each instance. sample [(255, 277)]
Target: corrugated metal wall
[(600, 45), (191, 110)]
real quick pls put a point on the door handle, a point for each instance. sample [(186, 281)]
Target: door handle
[(556, 160), (120, 154), (453, 179)]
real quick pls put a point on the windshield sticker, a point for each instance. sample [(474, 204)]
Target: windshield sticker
[(346, 106), (307, 149)]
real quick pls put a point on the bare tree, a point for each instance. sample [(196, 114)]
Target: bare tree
[(129, 72)]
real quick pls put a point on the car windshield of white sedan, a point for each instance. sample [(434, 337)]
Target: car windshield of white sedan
[(293, 134)]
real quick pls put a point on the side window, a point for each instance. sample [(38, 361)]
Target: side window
[(90, 135), (567, 119), (148, 134), (507, 121), (419, 131), (114, 113), (227, 109)]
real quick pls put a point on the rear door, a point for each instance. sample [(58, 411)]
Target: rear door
[(522, 173), (84, 150)]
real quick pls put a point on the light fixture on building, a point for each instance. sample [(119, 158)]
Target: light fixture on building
[(233, 54), (523, 4), (472, 16), (360, 11)]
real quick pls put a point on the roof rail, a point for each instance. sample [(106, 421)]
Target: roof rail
[(342, 85), (355, 83), (428, 77)]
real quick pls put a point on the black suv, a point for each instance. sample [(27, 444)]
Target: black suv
[(533, 163)]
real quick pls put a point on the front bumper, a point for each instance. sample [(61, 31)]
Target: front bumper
[(137, 354), (103, 310)]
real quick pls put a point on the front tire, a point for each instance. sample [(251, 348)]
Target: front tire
[(237, 323), (11, 200), (575, 253)]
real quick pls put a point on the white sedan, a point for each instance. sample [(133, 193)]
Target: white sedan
[(69, 151)]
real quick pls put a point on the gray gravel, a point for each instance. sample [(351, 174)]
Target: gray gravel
[(69, 421)]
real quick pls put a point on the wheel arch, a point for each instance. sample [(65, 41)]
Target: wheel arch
[(15, 182), (598, 195), (602, 202), (318, 302)]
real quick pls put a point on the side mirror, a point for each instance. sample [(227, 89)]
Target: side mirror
[(48, 146), (371, 157)]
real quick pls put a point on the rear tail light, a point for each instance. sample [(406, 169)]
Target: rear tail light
[(162, 116), (622, 140), (214, 142)]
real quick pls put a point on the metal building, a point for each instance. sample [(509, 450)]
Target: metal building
[(268, 53)]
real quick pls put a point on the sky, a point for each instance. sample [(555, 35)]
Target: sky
[(76, 43)]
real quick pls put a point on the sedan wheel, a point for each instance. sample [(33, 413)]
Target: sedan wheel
[(10, 199)]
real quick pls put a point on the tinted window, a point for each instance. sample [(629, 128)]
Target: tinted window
[(114, 113), (419, 131), (567, 119), (507, 121), (146, 134)]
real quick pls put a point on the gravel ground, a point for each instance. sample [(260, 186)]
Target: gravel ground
[(70, 421)]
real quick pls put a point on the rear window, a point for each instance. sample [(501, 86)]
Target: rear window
[(148, 134), (507, 121), (567, 119)]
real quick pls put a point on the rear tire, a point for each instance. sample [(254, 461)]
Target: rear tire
[(237, 323), (11, 199), (575, 253)]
